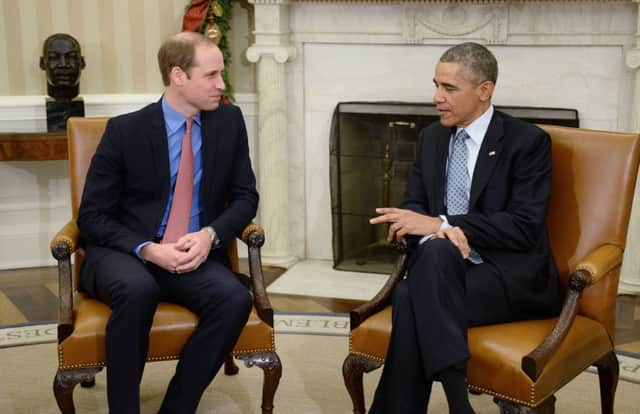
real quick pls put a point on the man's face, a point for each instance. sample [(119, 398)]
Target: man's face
[(203, 88), (62, 61), (459, 101)]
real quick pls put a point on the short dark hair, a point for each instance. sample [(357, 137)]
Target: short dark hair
[(179, 50), (477, 59)]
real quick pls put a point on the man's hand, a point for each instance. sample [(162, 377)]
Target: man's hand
[(185, 255), (457, 237), (406, 222)]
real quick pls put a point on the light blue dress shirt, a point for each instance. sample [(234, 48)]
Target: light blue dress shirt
[(175, 124)]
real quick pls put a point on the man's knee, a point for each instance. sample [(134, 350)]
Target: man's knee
[(437, 248), (239, 299)]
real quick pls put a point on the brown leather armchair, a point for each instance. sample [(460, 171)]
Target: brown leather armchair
[(522, 364), (82, 321)]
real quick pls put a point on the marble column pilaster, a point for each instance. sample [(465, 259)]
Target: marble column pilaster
[(630, 275), (270, 52)]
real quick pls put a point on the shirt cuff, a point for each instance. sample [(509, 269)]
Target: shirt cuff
[(443, 226), (138, 249), (445, 223)]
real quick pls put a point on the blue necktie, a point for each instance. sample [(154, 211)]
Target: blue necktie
[(458, 176), (458, 182)]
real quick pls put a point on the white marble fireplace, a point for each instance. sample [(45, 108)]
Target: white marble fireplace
[(311, 55)]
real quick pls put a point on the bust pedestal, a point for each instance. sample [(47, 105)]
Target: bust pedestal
[(59, 110)]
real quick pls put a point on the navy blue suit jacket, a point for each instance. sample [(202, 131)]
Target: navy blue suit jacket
[(128, 183), (509, 199)]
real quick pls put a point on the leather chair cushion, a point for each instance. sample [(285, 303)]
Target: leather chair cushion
[(497, 351), (371, 338), (172, 326)]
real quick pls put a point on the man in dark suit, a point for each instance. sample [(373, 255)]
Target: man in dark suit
[(474, 216), (169, 186)]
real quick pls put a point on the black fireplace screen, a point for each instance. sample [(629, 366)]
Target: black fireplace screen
[(372, 150)]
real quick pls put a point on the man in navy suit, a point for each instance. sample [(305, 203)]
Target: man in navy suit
[(474, 216), (126, 206)]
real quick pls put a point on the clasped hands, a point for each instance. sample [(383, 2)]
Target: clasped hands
[(408, 222), (183, 256)]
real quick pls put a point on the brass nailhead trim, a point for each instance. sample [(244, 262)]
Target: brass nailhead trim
[(63, 366), (505, 397), (362, 353)]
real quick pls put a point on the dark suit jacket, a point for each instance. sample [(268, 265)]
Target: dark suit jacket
[(127, 186), (510, 192)]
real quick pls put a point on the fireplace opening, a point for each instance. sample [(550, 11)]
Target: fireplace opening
[(372, 148)]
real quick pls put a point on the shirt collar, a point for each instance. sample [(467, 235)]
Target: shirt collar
[(478, 128), (174, 119)]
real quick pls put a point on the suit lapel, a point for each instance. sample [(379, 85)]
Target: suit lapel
[(488, 156), (159, 145), (440, 169)]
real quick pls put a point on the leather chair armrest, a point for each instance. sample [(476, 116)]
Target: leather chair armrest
[(383, 297), (589, 271), (66, 241), (600, 262), (63, 245), (253, 236)]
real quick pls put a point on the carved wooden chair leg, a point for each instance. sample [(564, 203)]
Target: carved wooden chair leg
[(89, 382), (272, 368), (353, 369), (608, 372), (548, 406), (64, 383), (230, 367)]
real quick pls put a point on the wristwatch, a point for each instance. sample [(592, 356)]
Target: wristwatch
[(212, 235)]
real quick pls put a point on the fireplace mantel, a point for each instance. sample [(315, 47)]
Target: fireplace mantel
[(310, 55)]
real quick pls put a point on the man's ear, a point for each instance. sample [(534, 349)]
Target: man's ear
[(82, 62), (42, 65), (177, 76), (486, 90)]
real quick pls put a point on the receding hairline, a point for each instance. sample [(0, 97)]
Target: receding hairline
[(477, 62)]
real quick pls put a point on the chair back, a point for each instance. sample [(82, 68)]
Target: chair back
[(594, 177), (83, 137)]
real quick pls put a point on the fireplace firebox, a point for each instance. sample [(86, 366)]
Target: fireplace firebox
[(372, 148)]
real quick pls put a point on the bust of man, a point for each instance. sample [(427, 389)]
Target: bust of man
[(63, 61)]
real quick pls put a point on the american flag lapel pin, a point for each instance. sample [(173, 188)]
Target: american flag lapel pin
[(492, 153)]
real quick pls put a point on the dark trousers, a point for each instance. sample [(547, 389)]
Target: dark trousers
[(133, 289), (432, 308)]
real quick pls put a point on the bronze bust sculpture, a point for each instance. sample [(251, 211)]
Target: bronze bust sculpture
[(62, 60)]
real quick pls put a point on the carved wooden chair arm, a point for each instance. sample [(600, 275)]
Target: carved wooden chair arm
[(63, 245), (383, 297), (589, 271), (253, 236)]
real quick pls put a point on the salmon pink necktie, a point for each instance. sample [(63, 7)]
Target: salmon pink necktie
[(178, 223)]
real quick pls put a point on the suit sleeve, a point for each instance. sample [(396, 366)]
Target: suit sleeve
[(100, 204), (242, 203), (519, 224)]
